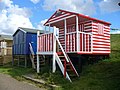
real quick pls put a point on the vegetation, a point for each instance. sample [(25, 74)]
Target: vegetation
[(104, 75)]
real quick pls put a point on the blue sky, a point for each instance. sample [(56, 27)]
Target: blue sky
[(33, 13)]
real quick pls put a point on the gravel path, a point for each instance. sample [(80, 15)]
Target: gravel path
[(9, 83)]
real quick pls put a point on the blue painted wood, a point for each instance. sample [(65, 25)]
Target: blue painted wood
[(21, 42)]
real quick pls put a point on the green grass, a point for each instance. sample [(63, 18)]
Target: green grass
[(115, 41), (15, 71), (104, 75)]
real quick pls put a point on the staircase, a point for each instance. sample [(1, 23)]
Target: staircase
[(33, 58), (64, 62)]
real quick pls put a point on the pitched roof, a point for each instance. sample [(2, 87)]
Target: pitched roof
[(28, 30), (78, 14), (6, 37)]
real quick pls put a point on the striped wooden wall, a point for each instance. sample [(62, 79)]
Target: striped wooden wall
[(62, 37), (45, 42), (101, 38), (84, 39)]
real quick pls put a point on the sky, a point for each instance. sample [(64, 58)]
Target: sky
[(34, 13)]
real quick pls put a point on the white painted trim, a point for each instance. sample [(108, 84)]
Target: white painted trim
[(91, 43), (79, 42), (46, 53), (88, 43), (82, 41), (65, 25), (38, 64), (22, 30), (77, 32), (85, 42), (62, 49), (54, 49), (61, 19)]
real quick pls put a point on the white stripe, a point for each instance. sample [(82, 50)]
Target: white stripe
[(82, 41), (100, 40), (108, 43), (94, 23), (100, 37), (105, 34), (100, 49), (101, 52), (59, 16), (60, 19), (88, 23), (87, 27)]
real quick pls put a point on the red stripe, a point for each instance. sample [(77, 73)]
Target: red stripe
[(59, 18)]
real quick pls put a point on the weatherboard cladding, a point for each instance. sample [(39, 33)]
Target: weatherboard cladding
[(21, 39), (99, 42)]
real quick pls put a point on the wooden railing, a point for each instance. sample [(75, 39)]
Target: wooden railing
[(84, 42), (45, 42)]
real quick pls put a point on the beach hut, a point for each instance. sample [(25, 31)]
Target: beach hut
[(79, 36), (24, 44), (5, 49)]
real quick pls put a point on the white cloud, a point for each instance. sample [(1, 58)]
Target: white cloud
[(35, 1), (81, 6), (41, 23), (109, 5), (115, 32), (12, 17)]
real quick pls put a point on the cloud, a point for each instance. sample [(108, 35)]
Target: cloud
[(81, 6), (12, 17), (41, 23), (115, 32), (109, 6), (35, 1)]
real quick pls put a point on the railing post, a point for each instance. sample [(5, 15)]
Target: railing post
[(65, 28), (54, 49), (77, 33), (38, 64)]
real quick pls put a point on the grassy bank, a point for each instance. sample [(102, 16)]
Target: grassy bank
[(104, 75)]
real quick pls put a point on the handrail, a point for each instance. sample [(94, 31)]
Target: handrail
[(66, 56), (32, 56), (31, 49), (62, 49)]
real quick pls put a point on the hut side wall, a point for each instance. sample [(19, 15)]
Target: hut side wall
[(101, 38)]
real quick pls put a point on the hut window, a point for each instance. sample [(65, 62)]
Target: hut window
[(100, 28)]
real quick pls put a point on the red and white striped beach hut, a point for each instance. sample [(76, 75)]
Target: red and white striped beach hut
[(78, 35)]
